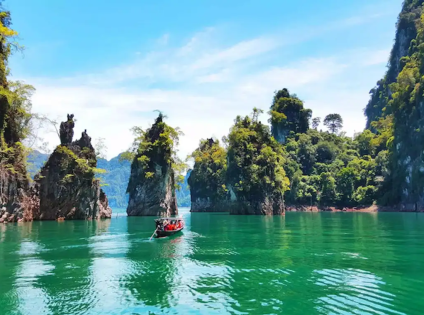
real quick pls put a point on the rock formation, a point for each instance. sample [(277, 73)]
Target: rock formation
[(406, 31), (255, 174), (397, 102), (151, 187), (68, 189), (16, 200), (267, 205), (207, 179)]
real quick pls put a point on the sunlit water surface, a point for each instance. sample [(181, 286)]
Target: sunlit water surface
[(303, 263)]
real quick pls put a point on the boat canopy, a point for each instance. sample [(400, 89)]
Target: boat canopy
[(161, 219)]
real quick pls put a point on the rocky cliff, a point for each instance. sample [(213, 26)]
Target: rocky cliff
[(151, 187), (407, 143), (207, 179), (17, 201), (68, 188), (398, 104), (406, 32), (255, 175)]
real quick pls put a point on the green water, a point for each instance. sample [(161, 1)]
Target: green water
[(303, 263)]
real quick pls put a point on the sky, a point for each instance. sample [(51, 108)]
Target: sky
[(201, 63)]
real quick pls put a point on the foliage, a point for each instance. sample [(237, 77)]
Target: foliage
[(15, 107), (255, 161), (288, 116), (405, 43), (156, 147), (328, 169), (100, 148), (404, 130), (207, 179), (333, 122), (316, 122)]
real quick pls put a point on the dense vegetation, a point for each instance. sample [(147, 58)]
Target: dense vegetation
[(156, 146), (405, 41), (395, 112), (255, 161), (207, 179), (288, 116), (15, 106)]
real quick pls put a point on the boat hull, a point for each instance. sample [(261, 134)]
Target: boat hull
[(167, 233)]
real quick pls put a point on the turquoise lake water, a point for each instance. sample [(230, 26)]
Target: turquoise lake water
[(302, 263)]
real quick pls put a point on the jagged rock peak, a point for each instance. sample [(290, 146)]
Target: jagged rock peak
[(85, 141), (67, 130)]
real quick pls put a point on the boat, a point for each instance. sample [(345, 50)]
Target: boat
[(168, 226)]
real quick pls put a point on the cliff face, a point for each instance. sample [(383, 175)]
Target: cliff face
[(404, 185), (154, 196), (406, 32), (408, 127), (68, 188), (17, 201), (151, 187), (267, 205)]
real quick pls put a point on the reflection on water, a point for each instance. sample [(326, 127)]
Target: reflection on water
[(303, 263)]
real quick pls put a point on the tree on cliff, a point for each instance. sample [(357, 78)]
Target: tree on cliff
[(333, 122), (255, 164), (288, 116), (155, 169), (315, 122), (207, 179)]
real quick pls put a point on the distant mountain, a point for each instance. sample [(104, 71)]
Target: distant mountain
[(36, 161), (183, 195), (116, 179)]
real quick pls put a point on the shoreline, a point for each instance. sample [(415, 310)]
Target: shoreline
[(369, 209)]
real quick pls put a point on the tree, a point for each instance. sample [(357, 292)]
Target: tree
[(365, 142), (207, 179), (288, 116), (315, 122), (255, 161), (328, 189), (333, 122), (101, 148), (155, 146)]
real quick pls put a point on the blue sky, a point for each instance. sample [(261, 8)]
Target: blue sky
[(201, 62)]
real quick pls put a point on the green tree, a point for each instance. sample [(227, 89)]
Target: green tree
[(346, 179), (328, 194), (255, 161), (316, 122), (333, 122), (288, 116), (365, 142), (207, 179), (156, 146)]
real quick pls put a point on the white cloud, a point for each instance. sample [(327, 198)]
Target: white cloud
[(204, 87)]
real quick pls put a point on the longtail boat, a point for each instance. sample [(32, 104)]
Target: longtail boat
[(168, 226)]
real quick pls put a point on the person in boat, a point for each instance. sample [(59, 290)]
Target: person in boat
[(169, 227)]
